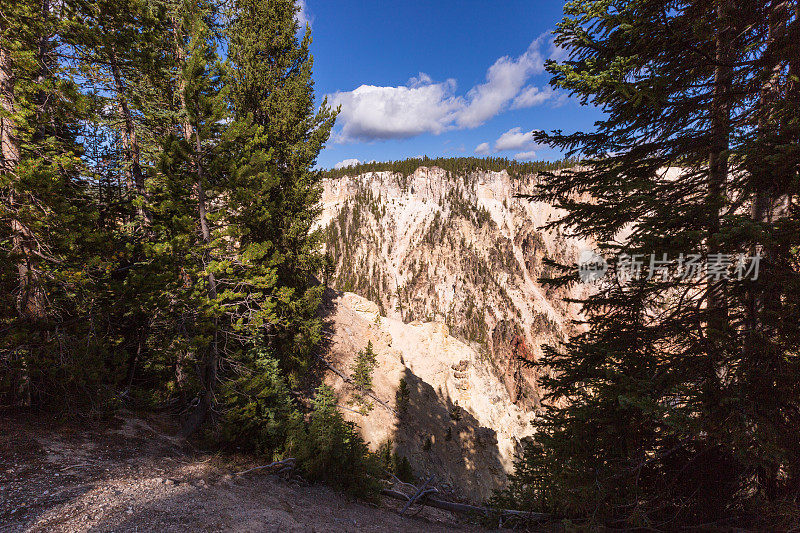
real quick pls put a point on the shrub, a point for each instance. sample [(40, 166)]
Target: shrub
[(332, 451), (402, 468), (258, 411), (393, 462), (402, 397), (363, 367)]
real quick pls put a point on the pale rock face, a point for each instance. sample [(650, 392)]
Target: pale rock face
[(460, 423), (445, 268), (460, 249)]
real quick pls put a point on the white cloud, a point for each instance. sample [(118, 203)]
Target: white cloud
[(515, 139), (423, 106), (525, 156), (504, 80), (303, 15), (371, 112), (346, 163), (421, 80), (532, 96), (482, 149)]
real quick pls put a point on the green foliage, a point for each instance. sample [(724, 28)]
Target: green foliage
[(660, 413), (402, 468), (156, 206), (394, 463), (363, 367), (332, 450), (275, 191), (125, 148), (259, 413), (455, 165), (402, 397), (53, 254)]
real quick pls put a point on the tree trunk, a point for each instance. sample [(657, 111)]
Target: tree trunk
[(30, 299), (30, 296), (211, 360), (717, 305), (133, 174)]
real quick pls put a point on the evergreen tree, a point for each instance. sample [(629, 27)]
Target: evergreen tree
[(119, 53), (47, 219), (259, 412), (363, 367), (143, 222), (402, 397), (194, 159), (656, 414), (334, 452), (274, 191)]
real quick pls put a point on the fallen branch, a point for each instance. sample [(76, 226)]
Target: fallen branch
[(417, 494), (288, 463), (82, 465), (463, 507), (398, 481)]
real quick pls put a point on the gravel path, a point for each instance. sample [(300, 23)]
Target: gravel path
[(130, 476)]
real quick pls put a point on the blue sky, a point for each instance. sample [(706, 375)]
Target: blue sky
[(438, 78)]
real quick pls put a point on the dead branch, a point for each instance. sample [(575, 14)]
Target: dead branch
[(399, 482), (463, 507), (417, 494), (288, 463)]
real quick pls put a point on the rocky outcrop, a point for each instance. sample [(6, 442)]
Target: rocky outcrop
[(458, 249), (458, 422)]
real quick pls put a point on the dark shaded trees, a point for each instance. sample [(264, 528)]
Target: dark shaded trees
[(677, 404), (157, 201)]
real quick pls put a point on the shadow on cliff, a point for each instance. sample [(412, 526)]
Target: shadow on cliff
[(441, 438), (437, 435), (317, 368)]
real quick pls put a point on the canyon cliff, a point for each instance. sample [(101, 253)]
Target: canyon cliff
[(440, 270)]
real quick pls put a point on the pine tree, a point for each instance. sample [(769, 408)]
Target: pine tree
[(120, 52), (157, 205), (259, 412), (274, 191), (333, 451), (363, 367), (655, 415), (46, 214), (194, 160), (402, 397)]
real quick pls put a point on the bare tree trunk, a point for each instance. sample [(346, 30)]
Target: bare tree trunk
[(717, 304), (211, 360), (30, 300), (134, 175)]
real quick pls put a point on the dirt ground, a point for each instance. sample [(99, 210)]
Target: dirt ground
[(129, 475)]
